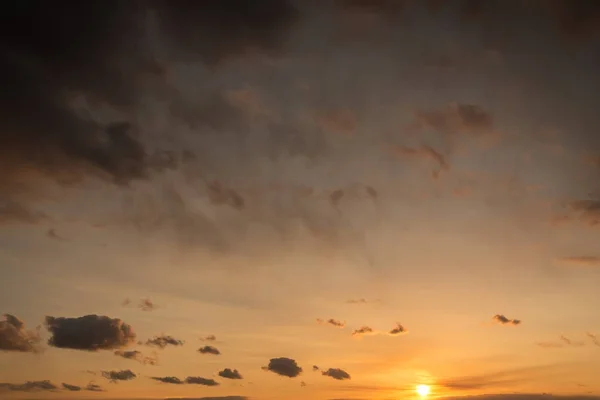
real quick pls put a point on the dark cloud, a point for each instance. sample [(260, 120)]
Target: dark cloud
[(230, 374), (147, 305), (363, 330), (399, 329), (168, 379), (456, 118), (196, 380), (331, 321), (164, 341), (12, 211), (71, 388), (374, 194), (594, 338), (123, 375), (219, 194), (580, 261), (209, 350), (577, 19), (336, 373), (90, 332), (315, 368), (284, 366), (302, 384), (29, 386), (502, 320), (14, 336), (136, 356)]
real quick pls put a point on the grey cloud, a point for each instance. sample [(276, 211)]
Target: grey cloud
[(29, 386), (14, 336), (197, 380), (399, 329), (123, 375), (336, 373), (502, 320), (71, 388), (136, 356), (90, 332), (336, 196), (168, 379), (456, 118), (284, 366), (164, 341), (12, 211), (209, 350), (230, 374), (363, 330)]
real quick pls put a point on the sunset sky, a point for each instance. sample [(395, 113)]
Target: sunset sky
[(299, 200)]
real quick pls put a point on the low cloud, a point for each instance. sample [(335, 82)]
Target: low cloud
[(136, 356), (147, 305), (90, 332), (168, 379), (580, 261), (14, 336), (284, 366), (71, 388), (336, 373), (115, 376), (29, 386), (209, 350), (163, 341), (502, 320), (197, 380), (331, 321), (228, 373), (363, 330), (399, 329)]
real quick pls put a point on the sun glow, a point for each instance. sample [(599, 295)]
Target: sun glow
[(423, 390)]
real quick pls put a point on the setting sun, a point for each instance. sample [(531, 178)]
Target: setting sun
[(422, 390)]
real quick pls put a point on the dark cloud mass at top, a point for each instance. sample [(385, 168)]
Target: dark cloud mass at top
[(90, 332)]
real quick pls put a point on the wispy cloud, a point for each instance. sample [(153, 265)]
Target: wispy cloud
[(122, 375), (580, 261), (502, 320), (331, 321), (163, 341), (363, 330), (136, 356)]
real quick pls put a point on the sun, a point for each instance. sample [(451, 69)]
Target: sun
[(423, 390)]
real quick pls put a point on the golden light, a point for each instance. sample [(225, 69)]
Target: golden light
[(423, 390)]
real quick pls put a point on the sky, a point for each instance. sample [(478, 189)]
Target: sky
[(300, 199)]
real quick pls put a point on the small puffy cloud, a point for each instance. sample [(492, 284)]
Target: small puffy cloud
[(363, 330), (315, 368), (580, 261), (399, 329), (456, 118), (71, 388), (284, 366), (14, 336), (29, 386), (336, 373), (209, 350), (92, 387), (90, 332), (163, 341), (331, 321), (230, 374), (147, 305), (136, 356), (197, 380), (123, 375), (168, 379), (502, 320)]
